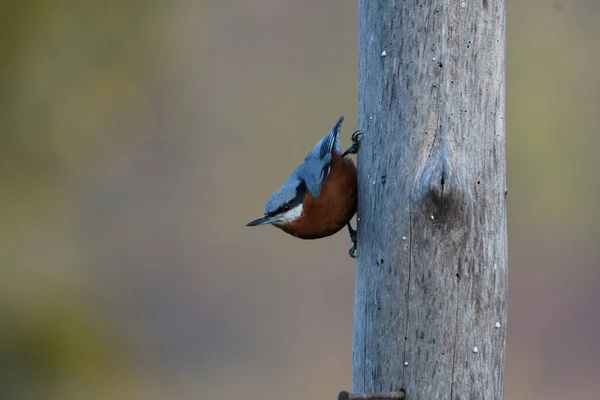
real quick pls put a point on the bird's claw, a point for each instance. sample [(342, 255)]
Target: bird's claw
[(352, 251), (353, 149), (353, 239), (356, 135)]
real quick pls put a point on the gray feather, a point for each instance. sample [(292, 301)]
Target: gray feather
[(315, 167), (310, 174), (290, 192)]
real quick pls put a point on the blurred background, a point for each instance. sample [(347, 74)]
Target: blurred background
[(138, 137)]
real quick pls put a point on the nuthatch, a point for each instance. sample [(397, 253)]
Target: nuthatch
[(319, 197)]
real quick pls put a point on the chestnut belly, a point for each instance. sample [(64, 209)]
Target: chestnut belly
[(333, 208)]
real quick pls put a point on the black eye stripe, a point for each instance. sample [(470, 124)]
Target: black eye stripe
[(297, 200)]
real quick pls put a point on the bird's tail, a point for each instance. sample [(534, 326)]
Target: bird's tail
[(330, 142)]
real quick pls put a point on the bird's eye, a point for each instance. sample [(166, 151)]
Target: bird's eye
[(286, 207)]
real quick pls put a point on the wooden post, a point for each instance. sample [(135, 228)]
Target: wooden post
[(431, 286)]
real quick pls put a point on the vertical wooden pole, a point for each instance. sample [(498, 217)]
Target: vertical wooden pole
[(431, 289)]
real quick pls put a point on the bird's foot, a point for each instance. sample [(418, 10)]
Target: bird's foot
[(353, 149), (353, 236)]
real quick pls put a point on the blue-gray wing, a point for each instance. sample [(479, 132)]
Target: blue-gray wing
[(315, 167)]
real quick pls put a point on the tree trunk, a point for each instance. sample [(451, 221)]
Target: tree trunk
[(431, 286)]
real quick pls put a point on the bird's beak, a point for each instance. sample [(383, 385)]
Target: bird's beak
[(260, 221)]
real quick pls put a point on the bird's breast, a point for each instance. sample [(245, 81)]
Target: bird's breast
[(333, 208)]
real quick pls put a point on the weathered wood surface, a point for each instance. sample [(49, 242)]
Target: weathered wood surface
[(431, 292)]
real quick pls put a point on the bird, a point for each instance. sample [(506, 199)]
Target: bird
[(319, 197)]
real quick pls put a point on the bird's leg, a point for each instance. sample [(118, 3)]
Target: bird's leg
[(352, 251), (353, 149)]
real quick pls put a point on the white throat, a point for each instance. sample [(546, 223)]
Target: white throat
[(288, 216)]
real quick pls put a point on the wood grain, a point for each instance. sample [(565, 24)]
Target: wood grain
[(431, 288)]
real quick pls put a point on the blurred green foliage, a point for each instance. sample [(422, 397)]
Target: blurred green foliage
[(47, 347), (67, 95), (138, 137)]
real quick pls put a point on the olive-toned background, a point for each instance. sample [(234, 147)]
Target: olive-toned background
[(138, 137)]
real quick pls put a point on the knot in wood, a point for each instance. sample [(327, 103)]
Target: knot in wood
[(440, 191)]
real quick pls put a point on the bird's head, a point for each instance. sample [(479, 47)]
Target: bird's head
[(284, 206)]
